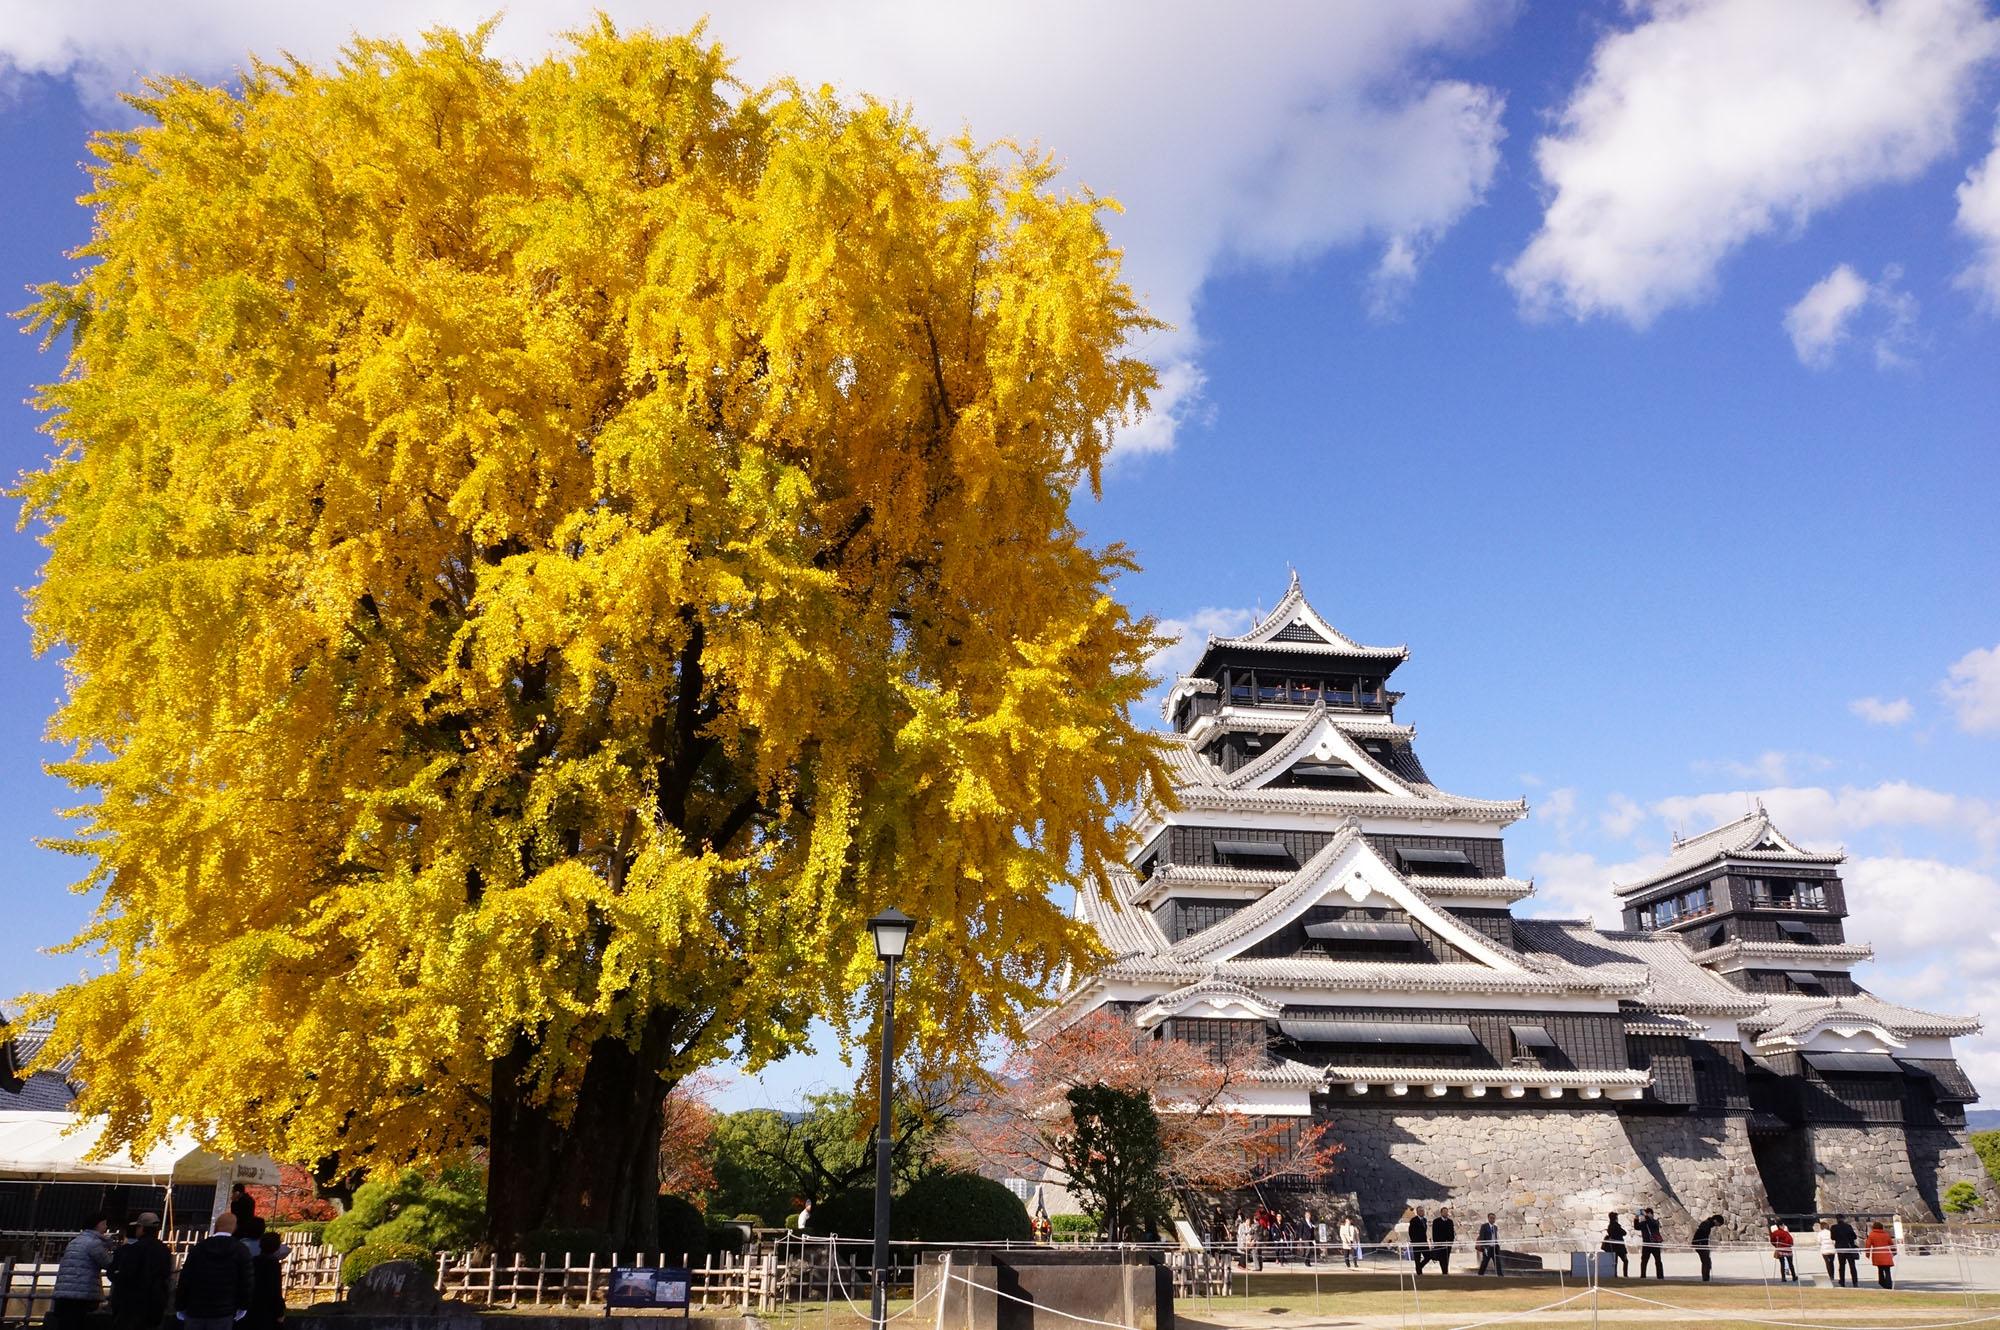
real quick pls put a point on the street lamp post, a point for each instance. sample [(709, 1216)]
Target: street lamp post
[(892, 935)]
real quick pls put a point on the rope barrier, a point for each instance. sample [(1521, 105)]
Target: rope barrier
[(1714, 1314)]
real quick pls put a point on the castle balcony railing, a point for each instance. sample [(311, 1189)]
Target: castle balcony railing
[(1765, 900), (1379, 700)]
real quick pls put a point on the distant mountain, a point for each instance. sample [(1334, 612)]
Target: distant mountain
[(1982, 1119)]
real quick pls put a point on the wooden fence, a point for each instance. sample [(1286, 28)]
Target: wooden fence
[(749, 1282)]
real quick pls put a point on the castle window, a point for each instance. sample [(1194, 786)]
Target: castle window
[(1252, 853), (1804, 981), (1532, 1042), (1436, 863), (1797, 931)]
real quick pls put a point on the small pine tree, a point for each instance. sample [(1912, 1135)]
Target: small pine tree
[(1961, 1198), (1113, 1157)]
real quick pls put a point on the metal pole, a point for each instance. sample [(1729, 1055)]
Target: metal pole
[(880, 1302)]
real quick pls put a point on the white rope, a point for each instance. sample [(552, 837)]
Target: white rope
[(1532, 1311), (1715, 1313)]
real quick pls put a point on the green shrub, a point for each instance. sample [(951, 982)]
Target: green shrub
[(1986, 1144), (442, 1213), (369, 1255), (724, 1238), (851, 1214), (683, 1231), (306, 1232), (959, 1207), (1074, 1228), (1961, 1198)]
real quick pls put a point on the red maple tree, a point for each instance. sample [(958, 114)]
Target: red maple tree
[(1212, 1144), (687, 1139)]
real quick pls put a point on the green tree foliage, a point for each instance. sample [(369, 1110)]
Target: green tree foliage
[(1961, 1198), (1986, 1144), (959, 1207), (767, 1162), (440, 1213), (369, 1255), (1072, 1228), (1113, 1157)]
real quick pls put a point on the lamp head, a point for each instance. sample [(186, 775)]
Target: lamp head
[(892, 933)]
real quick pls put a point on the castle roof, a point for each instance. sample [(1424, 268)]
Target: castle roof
[(1293, 625), (1752, 837), (1793, 1017)]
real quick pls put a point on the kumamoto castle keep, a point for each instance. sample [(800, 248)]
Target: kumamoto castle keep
[(1316, 895)]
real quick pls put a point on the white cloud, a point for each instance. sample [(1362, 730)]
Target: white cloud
[(1714, 121), (1622, 816), (1574, 885), (1821, 320), (1818, 323), (1558, 808), (1973, 689), (1772, 766), (1882, 711), (1267, 135), (1825, 818), (1979, 218), (1190, 635)]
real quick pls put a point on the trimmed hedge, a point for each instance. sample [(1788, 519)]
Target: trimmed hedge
[(851, 1214), (371, 1254), (683, 1230), (959, 1207), (1074, 1227)]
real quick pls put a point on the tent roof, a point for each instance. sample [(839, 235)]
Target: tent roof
[(57, 1147)]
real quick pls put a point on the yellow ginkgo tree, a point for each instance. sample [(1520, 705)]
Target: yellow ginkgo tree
[(540, 555)]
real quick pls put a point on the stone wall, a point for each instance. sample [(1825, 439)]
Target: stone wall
[(1877, 1168), (1547, 1172)]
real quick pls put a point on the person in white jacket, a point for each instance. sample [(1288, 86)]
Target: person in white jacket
[(1350, 1241), (1827, 1250)]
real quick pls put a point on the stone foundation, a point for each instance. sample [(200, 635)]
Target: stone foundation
[(1885, 1168), (1548, 1173)]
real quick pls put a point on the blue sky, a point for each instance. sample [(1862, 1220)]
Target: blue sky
[(1635, 365)]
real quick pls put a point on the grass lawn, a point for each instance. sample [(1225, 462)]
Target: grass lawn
[(1343, 1304)]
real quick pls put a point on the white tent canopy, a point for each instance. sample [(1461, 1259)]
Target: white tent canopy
[(57, 1147)]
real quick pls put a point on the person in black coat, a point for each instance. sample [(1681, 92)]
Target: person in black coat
[(216, 1280), (1420, 1239), (1704, 1236), (1488, 1243), (1443, 1234), (1614, 1242), (142, 1278), (267, 1285), (1846, 1252)]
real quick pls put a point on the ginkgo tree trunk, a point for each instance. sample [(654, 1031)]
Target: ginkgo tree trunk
[(540, 555)]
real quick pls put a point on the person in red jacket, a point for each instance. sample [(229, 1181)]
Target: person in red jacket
[(1881, 1249), (1781, 1247)]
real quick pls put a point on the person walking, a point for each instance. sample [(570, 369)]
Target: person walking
[(1704, 1236), (1488, 1243), (1246, 1236), (1350, 1242), (1781, 1247), (142, 1277), (1444, 1234), (267, 1285), (80, 1276), (1847, 1253), (1323, 1235), (1420, 1239), (216, 1280), (1881, 1249), (1823, 1235), (1614, 1242)]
